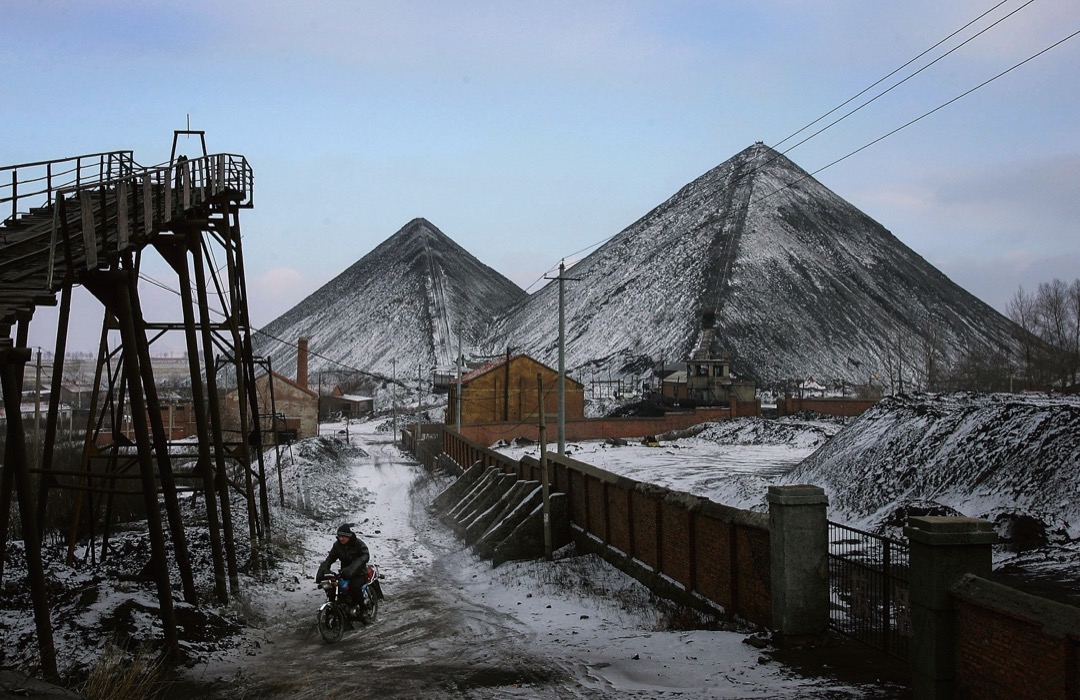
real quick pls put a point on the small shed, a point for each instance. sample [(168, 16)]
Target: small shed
[(505, 390), (338, 403)]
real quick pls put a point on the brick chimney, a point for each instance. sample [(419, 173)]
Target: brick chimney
[(301, 362)]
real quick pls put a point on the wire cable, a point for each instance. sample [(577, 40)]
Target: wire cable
[(886, 77), (923, 116), (739, 179), (901, 82)]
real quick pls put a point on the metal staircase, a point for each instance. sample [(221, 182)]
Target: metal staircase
[(86, 221)]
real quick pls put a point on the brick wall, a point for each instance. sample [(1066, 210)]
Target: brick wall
[(692, 548), (686, 547), (1015, 645), (827, 406), (603, 428)]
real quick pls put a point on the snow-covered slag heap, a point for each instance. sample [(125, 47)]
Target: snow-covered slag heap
[(1003, 457)]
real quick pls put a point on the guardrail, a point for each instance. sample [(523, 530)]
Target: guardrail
[(35, 184), (145, 197)]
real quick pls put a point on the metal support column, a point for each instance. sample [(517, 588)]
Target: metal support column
[(45, 480), (176, 256), (12, 364), (111, 288), (161, 443), (221, 477)]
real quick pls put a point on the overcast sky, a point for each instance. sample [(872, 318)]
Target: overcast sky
[(529, 131)]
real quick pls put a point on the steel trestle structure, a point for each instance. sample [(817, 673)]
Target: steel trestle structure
[(88, 221)]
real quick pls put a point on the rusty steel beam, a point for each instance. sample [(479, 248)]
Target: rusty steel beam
[(89, 445), (110, 288), (221, 476), (45, 480), (12, 365), (175, 252), (141, 348), (239, 287)]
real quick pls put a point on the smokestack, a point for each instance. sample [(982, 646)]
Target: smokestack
[(301, 362)]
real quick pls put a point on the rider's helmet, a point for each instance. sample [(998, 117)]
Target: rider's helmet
[(345, 530)]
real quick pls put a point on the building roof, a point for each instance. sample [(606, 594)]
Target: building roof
[(292, 383), (354, 398), (501, 360), (487, 367)]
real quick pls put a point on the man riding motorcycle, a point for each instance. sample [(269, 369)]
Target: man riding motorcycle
[(353, 554)]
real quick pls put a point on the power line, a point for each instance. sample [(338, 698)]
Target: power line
[(738, 179), (923, 116), (889, 75), (901, 82)]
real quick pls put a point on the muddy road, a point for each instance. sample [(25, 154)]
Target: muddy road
[(430, 639), (451, 626)]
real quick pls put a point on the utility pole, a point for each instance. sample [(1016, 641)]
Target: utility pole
[(562, 355), (457, 408), (545, 481), (393, 396)]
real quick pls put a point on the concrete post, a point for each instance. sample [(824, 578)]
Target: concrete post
[(942, 550), (799, 557)]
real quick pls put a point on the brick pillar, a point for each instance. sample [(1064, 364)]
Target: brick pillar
[(799, 557), (302, 362), (942, 550)]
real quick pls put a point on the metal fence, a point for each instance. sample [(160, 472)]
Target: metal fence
[(868, 589)]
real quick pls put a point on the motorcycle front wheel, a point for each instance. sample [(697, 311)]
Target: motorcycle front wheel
[(331, 621), (370, 609)]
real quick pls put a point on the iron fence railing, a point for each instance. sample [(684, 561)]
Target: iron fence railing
[(868, 589), (30, 185), (166, 191)]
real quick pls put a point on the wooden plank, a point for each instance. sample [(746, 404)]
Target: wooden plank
[(166, 210), (185, 182), (122, 232), (89, 231), (219, 175), (148, 203)]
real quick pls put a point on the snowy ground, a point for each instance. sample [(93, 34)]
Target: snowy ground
[(1009, 458), (731, 462), (570, 628), (451, 625)]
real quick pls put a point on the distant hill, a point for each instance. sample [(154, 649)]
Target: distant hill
[(797, 281), (996, 456), (754, 259), (403, 301)]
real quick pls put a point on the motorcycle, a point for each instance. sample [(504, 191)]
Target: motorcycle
[(338, 612)]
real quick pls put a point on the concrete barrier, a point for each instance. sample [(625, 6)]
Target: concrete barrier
[(453, 493), (526, 541), (500, 515)]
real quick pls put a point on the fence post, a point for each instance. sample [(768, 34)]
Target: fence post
[(799, 559), (942, 550)]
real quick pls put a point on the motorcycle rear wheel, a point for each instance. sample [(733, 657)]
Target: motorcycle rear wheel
[(331, 621), (370, 609)]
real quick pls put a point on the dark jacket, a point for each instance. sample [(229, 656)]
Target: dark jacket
[(353, 556)]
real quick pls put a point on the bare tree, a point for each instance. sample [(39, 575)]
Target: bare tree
[(1049, 324), (1073, 348), (1021, 310)]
